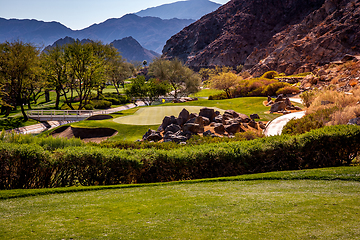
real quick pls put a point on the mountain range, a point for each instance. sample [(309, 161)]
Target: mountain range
[(190, 9), (150, 31), (287, 36)]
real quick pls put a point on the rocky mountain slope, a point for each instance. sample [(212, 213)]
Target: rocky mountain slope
[(190, 9), (128, 47), (286, 36)]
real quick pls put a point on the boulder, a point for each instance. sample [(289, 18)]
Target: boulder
[(168, 135), (354, 121), (243, 118), (207, 112), (206, 121), (193, 115), (252, 124), (173, 128), (261, 125), (218, 119), (184, 115), (193, 128), (288, 102), (233, 128), (278, 106), (279, 98), (270, 103), (219, 128), (178, 138), (233, 113), (209, 133), (227, 116), (254, 116), (166, 122), (152, 135)]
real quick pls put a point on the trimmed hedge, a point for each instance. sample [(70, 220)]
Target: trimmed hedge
[(24, 166)]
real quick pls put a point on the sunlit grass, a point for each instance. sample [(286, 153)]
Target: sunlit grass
[(223, 209)]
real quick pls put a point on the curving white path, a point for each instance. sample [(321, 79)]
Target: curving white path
[(275, 126)]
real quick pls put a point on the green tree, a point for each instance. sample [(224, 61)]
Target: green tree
[(18, 64), (149, 91), (86, 68), (118, 71), (53, 62), (224, 81), (182, 79)]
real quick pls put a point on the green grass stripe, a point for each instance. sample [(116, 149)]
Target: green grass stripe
[(155, 115), (336, 173)]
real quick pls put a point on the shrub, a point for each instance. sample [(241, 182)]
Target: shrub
[(308, 122), (101, 104), (287, 90), (219, 96), (308, 97), (271, 89), (29, 166), (89, 107), (270, 75)]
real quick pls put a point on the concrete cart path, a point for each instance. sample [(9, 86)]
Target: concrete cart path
[(275, 126)]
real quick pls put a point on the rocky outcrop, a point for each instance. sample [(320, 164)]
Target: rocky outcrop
[(186, 125), (286, 36)]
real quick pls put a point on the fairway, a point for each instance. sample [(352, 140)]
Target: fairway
[(155, 115), (300, 209)]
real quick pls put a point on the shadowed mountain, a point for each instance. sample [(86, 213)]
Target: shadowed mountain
[(131, 50), (190, 9), (288, 36), (128, 47)]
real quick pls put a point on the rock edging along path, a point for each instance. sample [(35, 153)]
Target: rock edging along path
[(275, 126), (38, 128)]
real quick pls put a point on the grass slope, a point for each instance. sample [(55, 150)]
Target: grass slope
[(225, 208)]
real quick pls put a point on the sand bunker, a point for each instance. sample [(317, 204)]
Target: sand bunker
[(85, 134)]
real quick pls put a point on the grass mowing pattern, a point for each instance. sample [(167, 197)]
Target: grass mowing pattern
[(273, 209), (155, 115)]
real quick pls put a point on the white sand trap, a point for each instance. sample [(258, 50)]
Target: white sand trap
[(155, 115)]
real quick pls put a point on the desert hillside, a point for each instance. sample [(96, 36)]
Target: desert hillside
[(287, 36)]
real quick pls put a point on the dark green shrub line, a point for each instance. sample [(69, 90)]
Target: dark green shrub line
[(24, 166), (329, 174)]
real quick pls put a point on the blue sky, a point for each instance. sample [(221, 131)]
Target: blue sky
[(76, 14)]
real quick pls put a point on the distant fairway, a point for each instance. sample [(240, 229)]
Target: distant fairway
[(155, 115)]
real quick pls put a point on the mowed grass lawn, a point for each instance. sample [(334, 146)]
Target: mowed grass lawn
[(227, 208)]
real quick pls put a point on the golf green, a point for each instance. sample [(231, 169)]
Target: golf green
[(155, 115)]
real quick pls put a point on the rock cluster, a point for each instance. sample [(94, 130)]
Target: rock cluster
[(187, 124), (281, 105)]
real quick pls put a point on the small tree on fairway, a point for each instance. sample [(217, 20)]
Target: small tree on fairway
[(224, 81), (182, 79), (149, 91)]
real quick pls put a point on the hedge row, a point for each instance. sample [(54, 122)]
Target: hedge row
[(24, 166)]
